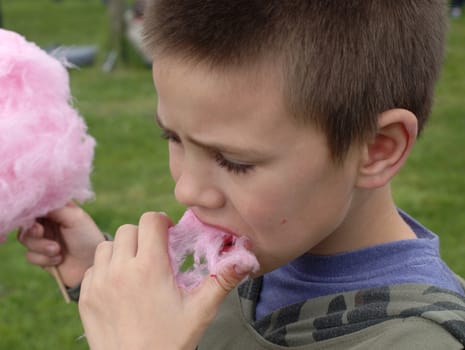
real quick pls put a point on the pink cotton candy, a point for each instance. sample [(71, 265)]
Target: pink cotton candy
[(213, 251), (45, 154)]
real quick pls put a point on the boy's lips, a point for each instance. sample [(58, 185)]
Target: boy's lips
[(218, 227), (229, 241)]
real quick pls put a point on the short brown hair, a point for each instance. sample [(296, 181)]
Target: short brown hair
[(343, 62)]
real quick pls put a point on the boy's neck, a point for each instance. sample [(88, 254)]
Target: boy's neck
[(373, 219)]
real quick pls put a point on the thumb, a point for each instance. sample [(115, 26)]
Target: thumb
[(214, 289)]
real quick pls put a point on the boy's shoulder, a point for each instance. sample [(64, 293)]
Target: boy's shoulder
[(400, 316)]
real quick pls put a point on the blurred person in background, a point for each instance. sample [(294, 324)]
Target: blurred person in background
[(456, 8)]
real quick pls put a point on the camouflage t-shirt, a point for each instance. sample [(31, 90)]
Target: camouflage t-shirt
[(404, 316)]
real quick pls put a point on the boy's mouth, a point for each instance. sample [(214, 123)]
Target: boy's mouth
[(197, 249), (230, 237), (228, 244)]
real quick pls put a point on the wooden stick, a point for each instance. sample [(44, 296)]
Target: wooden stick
[(56, 274)]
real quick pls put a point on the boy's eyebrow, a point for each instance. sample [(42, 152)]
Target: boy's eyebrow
[(216, 147)]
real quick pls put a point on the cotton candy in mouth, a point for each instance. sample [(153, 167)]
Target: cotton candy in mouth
[(210, 250)]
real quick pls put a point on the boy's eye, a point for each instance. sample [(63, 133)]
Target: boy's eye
[(237, 168), (234, 167), (167, 135)]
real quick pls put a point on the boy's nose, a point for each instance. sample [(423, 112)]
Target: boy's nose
[(195, 189)]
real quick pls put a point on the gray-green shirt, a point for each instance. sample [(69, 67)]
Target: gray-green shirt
[(405, 316)]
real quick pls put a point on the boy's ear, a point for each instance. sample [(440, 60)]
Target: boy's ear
[(386, 152)]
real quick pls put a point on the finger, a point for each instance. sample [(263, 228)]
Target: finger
[(41, 246), (102, 258), (153, 238), (125, 243), (43, 260), (35, 231), (42, 239), (52, 231), (67, 216), (85, 285), (211, 293)]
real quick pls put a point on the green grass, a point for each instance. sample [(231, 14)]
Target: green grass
[(131, 176)]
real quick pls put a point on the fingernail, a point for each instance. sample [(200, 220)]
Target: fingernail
[(240, 272), (52, 248)]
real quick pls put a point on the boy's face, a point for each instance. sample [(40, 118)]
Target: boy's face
[(242, 164)]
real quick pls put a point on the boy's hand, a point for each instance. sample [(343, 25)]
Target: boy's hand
[(66, 238), (130, 300)]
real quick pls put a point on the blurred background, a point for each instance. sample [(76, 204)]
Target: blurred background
[(113, 91)]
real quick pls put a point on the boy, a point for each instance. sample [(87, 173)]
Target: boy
[(286, 121)]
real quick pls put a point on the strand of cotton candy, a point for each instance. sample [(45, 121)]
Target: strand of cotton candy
[(45, 153), (205, 244)]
